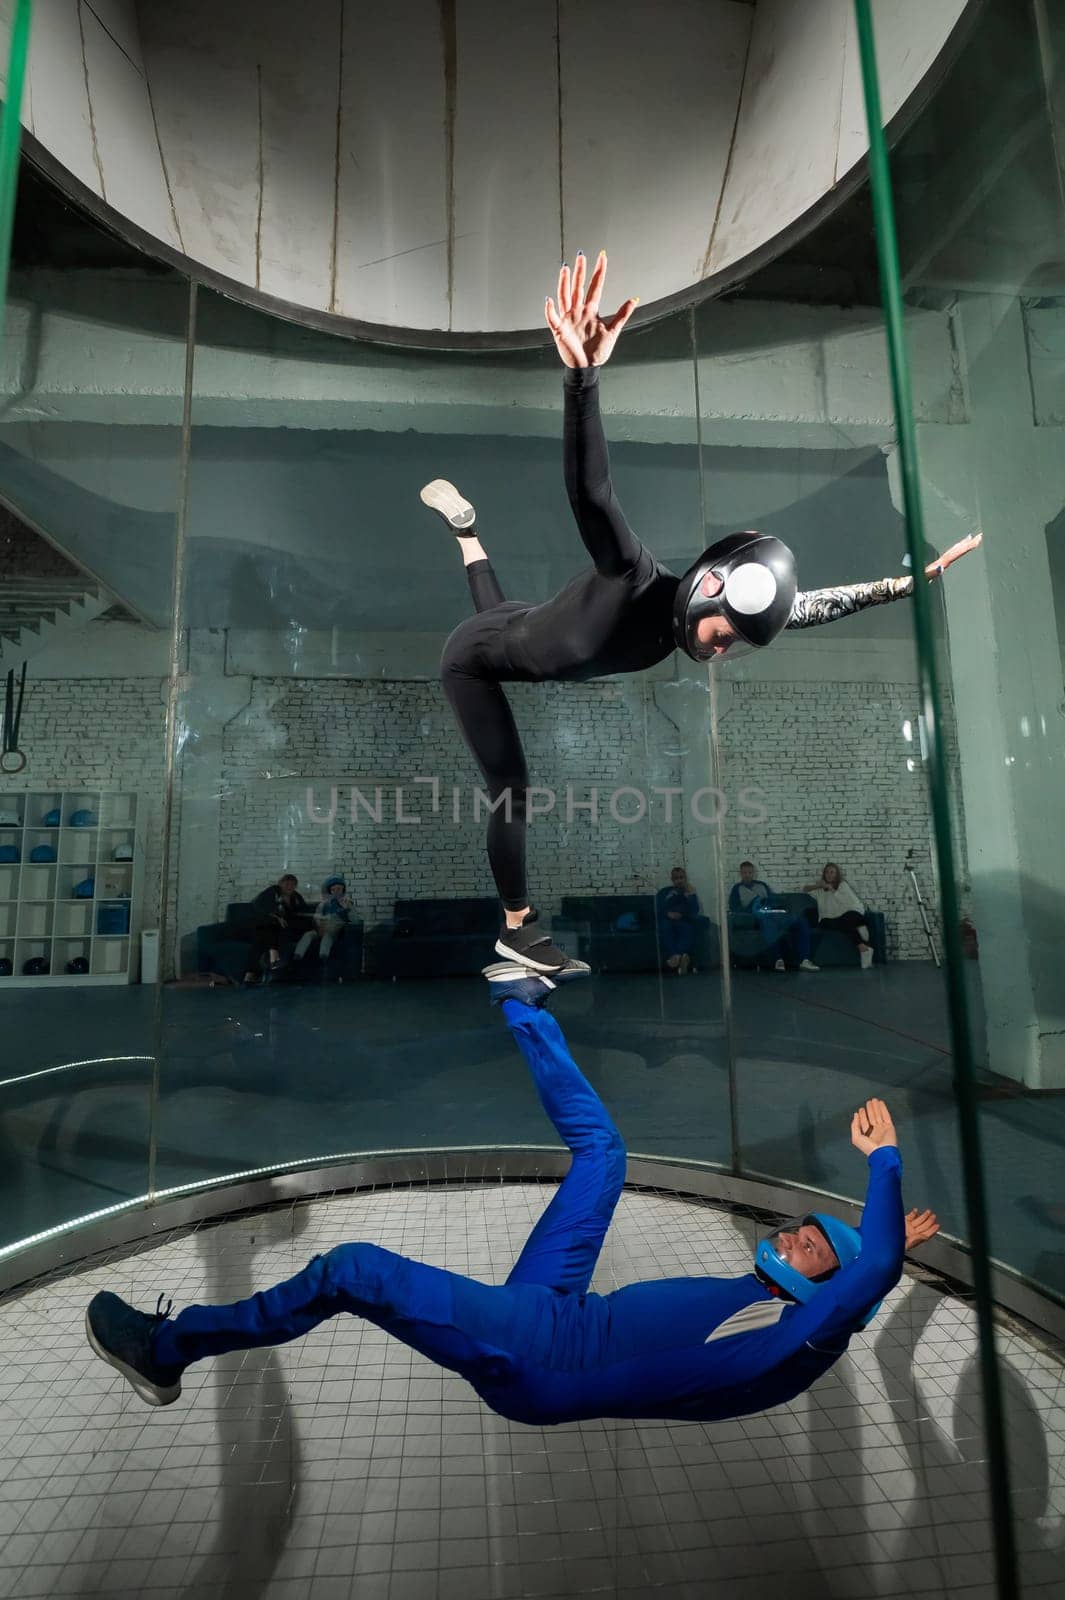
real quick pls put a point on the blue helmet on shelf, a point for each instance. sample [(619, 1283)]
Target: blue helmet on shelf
[(42, 852), (85, 889), (845, 1241), (83, 819), (9, 854), (52, 819)]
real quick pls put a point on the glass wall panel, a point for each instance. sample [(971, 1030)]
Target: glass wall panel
[(93, 365), (820, 739), (314, 738), (994, 261), (978, 193)]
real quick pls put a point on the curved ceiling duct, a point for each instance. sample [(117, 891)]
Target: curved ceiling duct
[(423, 166)]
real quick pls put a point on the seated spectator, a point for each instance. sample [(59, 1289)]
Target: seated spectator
[(280, 913), (331, 916), (839, 907), (678, 914), (786, 934)]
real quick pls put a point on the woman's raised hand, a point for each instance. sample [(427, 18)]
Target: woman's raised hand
[(582, 337), (936, 569)]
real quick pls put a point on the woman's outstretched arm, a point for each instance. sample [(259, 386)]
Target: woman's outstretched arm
[(814, 606), (585, 341)]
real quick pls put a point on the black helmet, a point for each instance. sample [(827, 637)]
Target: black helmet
[(35, 967), (755, 597), (78, 965), (6, 968)]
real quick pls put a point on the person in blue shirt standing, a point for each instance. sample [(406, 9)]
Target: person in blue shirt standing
[(786, 934), (542, 1348)]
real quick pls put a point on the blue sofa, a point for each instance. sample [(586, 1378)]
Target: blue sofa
[(613, 944), (828, 947), (226, 948), (435, 938)]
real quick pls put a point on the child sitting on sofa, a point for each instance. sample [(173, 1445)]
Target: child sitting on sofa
[(331, 916)]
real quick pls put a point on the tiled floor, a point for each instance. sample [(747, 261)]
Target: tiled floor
[(343, 1467)]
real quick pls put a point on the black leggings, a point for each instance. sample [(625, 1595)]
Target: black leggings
[(848, 923), (599, 623), (471, 668)]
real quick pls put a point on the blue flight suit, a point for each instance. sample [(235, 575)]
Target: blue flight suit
[(541, 1348)]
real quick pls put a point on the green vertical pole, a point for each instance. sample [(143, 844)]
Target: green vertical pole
[(11, 133), (964, 1067)]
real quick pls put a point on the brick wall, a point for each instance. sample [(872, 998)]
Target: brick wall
[(297, 733), (830, 757), (832, 760)]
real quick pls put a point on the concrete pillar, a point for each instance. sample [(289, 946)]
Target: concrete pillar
[(1005, 475), (209, 701)]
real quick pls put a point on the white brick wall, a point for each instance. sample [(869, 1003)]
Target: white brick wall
[(369, 733), (830, 757)]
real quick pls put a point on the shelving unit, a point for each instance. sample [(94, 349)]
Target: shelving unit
[(41, 914)]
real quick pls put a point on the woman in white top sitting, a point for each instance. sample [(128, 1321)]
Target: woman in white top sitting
[(839, 907)]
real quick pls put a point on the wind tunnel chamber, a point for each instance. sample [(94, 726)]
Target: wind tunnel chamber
[(272, 271)]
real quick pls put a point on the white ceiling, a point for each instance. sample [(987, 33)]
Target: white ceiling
[(426, 164)]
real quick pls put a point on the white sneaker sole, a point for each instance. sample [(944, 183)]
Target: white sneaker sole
[(508, 971), (527, 962), (443, 497), (149, 1392)]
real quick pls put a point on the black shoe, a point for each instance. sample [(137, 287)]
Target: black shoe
[(443, 498), (530, 946), (122, 1336), (509, 980)]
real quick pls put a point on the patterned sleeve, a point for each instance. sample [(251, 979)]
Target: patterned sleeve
[(827, 605)]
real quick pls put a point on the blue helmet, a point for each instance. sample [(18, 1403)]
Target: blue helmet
[(329, 882), (845, 1241)]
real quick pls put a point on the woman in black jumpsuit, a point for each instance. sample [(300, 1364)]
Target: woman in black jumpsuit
[(616, 616)]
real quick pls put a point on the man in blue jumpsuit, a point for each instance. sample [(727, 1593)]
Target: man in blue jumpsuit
[(541, 1348)]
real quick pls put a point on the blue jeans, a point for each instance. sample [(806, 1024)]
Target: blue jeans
[(786, 934), (464, 1325), (676, 938)]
